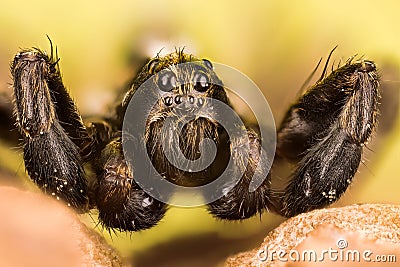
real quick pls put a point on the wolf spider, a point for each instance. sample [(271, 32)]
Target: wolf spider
[(322, 133)]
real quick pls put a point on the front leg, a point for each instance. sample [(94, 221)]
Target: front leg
[(122, 204), (241, 202), (330, 124), (54, 138)]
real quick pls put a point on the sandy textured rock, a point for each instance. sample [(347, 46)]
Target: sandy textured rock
[(36, 230), (373, 229)]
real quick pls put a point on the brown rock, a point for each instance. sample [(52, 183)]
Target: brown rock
[(36, 230), (347, 236)]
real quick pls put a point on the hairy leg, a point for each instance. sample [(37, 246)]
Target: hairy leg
[(324, 131), (55, 140), (122, 204), (239, 202)]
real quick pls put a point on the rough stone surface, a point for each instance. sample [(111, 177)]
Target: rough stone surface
[(372, 227), (36, 230)]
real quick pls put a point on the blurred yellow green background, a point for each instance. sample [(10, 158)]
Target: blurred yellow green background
[(275, 43)]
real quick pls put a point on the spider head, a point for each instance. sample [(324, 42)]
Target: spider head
[(183, 115)]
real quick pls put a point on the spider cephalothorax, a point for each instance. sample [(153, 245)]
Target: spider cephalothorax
[(183, 91), (322, 133)]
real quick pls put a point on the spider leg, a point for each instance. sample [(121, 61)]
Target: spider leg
[(240, 202), (324, 132), (122, 204), (55, 141)]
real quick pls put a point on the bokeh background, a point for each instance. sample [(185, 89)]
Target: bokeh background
[(276, 43)]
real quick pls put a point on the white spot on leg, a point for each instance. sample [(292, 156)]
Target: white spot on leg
[(307, 192), (331, 195), (147, 202)]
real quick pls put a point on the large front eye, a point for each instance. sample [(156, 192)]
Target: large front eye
[(166, 81), (201, 82)]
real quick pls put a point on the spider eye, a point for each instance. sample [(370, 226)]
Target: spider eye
[(208, 64), (152, 65), (166, 81), (201, 82)]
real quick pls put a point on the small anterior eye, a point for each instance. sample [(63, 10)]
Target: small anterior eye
[(166, 81), (201, 82)]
